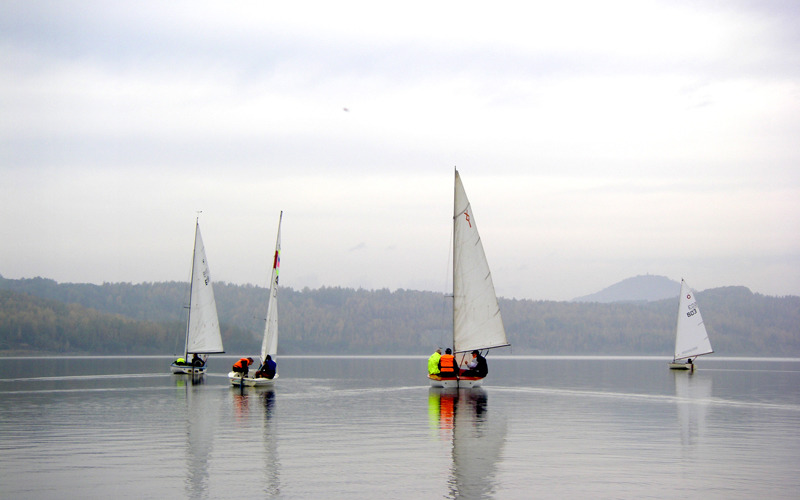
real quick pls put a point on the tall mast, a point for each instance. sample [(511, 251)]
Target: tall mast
[(453, 244), (191, 283)]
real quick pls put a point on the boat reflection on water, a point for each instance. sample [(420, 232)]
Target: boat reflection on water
[(269, 403), (250, 405), (185, 379), (272, 464), (477, 436), (201, 422), (693, 395)]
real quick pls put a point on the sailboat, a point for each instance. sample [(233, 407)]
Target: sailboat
[(202, 325), (691, 338), (269, 346), (477, 324)]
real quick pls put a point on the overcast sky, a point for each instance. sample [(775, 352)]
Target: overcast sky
[(596, 141)]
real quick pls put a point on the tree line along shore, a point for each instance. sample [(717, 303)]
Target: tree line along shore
[(39, 315)]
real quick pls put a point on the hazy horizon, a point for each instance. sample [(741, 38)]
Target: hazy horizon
[(393, 289), (595, 141)]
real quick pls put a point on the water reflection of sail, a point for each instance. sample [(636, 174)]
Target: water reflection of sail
[(253, 409), (477, 437), (693, 392), (202, 419)]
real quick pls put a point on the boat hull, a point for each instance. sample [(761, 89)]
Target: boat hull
[(469, 382), (681, 366), (237, 380), (453, 383), (187, 369)]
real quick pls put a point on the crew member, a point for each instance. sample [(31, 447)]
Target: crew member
[(243, 366), (447, 364), (197, 361), (477, 367), (268, 368), (433, 362)]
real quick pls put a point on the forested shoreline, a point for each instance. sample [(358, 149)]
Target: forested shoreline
[(41, 315)]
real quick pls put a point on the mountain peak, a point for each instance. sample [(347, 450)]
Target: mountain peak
[(645, 288)]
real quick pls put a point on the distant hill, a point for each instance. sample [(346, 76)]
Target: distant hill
[(40, 315), (646, 288)]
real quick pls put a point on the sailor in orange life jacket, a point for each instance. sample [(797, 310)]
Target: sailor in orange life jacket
[(243, 366), (447, 364)]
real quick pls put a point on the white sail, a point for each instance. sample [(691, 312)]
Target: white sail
[(202, 331), (477, 323), (270, 343), (691, 338)]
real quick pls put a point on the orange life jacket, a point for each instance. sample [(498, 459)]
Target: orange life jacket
[(447, 411), (242, 363), (447, 363)]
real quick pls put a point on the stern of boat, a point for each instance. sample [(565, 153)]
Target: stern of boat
[(444, 383), (469, 382), (235, 378), (187, 369)]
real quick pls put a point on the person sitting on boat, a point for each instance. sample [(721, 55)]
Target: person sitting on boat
[(471, 364), (243, 366), (181, 361), (447, 364), (477, 367), (268, 368), (197, 360), (433, 362)]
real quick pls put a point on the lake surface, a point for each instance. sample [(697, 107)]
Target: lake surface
[(368, 427)]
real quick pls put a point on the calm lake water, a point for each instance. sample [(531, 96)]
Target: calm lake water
[(345, 427)]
